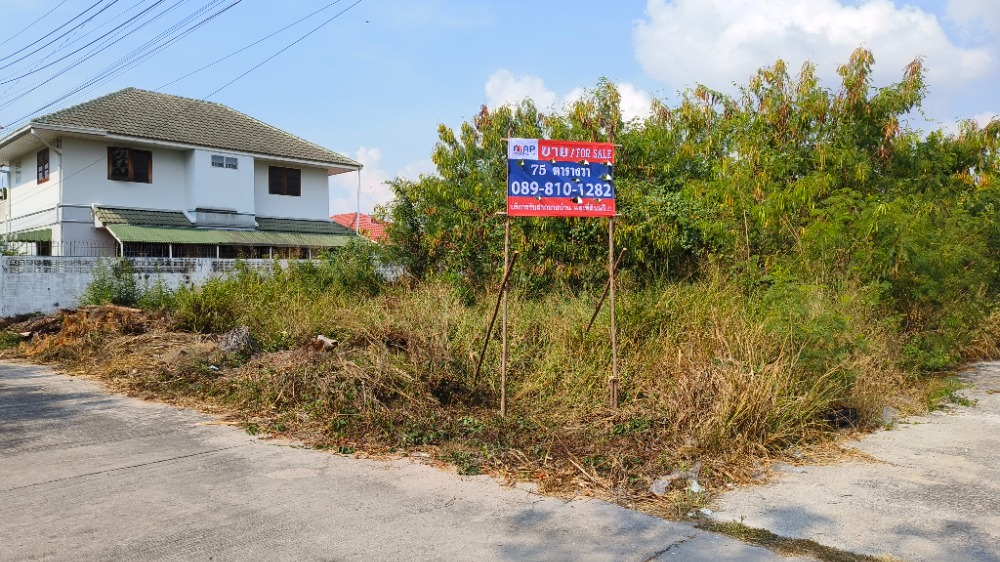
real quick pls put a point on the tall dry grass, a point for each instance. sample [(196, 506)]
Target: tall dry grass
[(709, 375)]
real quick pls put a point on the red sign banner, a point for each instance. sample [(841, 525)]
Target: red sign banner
[(551, 178)]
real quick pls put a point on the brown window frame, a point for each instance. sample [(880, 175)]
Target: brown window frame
[(42, 165), (130, 165), (280, 185)]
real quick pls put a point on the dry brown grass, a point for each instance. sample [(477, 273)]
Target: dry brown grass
[(984, 343), (706, 382)]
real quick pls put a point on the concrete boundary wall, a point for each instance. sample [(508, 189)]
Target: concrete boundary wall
[(31, 284)]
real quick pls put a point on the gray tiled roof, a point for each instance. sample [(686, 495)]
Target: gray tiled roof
[(141, 113)]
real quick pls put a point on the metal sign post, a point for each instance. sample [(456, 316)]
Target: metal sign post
[(553, 178), (493, 318), (503, 353), (613, 381)]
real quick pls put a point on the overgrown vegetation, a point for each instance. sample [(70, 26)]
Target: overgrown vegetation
[(798, 260), (789, 547), (114, 282)]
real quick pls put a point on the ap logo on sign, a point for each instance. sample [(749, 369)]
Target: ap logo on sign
[(526, 149)]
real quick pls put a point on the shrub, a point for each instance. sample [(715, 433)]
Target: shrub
[(113, 282)]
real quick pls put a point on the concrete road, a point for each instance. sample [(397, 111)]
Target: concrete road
[(935, 495), (85, 475)]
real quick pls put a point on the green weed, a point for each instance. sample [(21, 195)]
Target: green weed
[(9, 339), (465, 462)]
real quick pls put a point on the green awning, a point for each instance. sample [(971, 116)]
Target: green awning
[(41, 235), (131, 233)]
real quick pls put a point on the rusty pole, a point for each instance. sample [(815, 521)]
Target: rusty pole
[(503, 355), (493, 319), (607, 287), (613, 382)]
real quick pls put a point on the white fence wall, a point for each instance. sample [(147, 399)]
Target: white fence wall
[(45, 284)]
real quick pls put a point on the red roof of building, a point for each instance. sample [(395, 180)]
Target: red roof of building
[(369, 227)]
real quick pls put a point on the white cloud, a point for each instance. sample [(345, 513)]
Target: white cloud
[(635, 102), (973, 13), (573, 95), (414, 170), (719, 42), (374, 191), (984, 118), (503, 88), (954, 126)]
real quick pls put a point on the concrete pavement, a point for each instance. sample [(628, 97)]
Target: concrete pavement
[(86, 475), (935, 495)]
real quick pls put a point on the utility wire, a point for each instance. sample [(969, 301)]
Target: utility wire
[(8, 101), (70, 40), (110, 22), (40, 18), (134, 58), (238, 51), (289, 46), (139, 56), (60, 59), (84, 22)]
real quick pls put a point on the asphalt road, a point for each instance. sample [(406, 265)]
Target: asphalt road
[(86, 475), (934, 495)]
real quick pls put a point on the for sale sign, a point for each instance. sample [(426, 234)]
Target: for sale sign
[(547, 178)]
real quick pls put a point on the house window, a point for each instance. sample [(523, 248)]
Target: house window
[(43, 165), (129, 164), (228, 162), (284, 181)]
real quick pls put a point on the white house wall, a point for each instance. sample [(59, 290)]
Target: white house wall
[(313, 204), (86, 167), (32, 205), (42, 284), (219, 188), (83, 239)]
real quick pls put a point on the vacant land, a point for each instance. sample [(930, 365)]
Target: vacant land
[(95, 476)]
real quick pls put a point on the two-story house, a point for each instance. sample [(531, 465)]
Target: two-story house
[(140, 173)]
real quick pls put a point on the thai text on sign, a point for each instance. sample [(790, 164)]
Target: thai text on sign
[(548, 178)]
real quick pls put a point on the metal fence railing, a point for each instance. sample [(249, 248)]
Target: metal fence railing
[(97, 249), (76, 248)]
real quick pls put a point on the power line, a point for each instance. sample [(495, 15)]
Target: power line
[(70, 40), (289, 46), (109, 22), (84, 22), (238, 51), (10, 100), (40, 18), (136, 57), (60, 59)]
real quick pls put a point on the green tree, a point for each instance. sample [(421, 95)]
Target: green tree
[(788, 181)]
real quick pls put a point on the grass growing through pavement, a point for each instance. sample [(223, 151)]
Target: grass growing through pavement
[(789, 546)]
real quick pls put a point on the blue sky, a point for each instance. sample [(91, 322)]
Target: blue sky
[(376, 81)]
